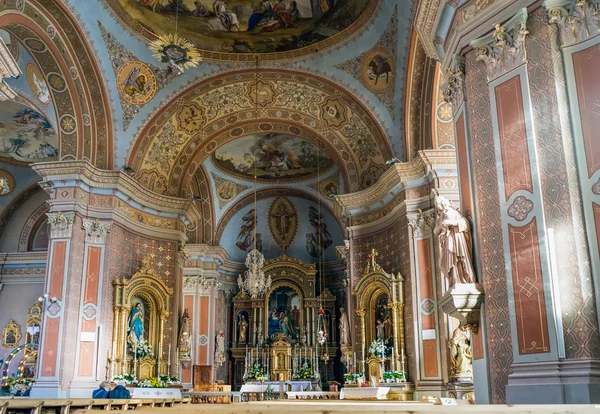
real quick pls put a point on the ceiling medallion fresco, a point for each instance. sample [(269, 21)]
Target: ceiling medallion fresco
[(378, 70), (169, 150), (26, 135), (236, 30), (271, 156)]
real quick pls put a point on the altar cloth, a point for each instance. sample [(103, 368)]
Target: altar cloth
[(364, 393), (155, 392), (296, 386)]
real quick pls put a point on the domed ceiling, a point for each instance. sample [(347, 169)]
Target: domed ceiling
[(220, 28)]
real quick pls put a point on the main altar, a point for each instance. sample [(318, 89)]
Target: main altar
[(287, 333)]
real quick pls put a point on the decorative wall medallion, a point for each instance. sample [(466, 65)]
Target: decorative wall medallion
[(37, 83), (74, 73), (520, 208), (57, 82), (20, 5), (86, 119), (54, 308), (226, 191), (378, 70), (67, 124), (35, 45), (427, 306), (596, 187), (444, 112), (136, 82), (202, 340), (333, 112), (329, 187), (89, 311), (190, 118), (11, 335), (261, 93), (51, 31), (283, 222), (7, 183)]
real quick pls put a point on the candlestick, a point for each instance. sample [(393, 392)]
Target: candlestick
[(135, 360)]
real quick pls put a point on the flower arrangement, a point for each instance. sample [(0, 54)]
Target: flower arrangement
[(142, 349), (127, 378), (379, 348), (393, 376), (151, 382), (168, 380), (304, 373), (256, 373), (13, 380), (352, 378)]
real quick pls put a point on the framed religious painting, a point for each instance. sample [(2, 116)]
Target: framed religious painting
[(11, 335)]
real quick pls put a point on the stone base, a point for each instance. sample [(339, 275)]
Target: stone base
[(52, 389), (461, 391), (463, 302), (554, 382), (400, 392)]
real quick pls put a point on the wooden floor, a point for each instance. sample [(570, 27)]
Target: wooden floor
[(372, 407)]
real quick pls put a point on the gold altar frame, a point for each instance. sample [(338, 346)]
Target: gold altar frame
[(373, 283), (147, 285)]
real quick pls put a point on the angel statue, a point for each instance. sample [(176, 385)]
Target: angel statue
[(454, 235)]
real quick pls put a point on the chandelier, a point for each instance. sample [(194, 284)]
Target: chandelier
[(254, 283)]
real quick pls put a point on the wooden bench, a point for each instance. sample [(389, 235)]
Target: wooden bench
[(67, 406)]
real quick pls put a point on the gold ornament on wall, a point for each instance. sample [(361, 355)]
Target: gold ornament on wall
[(11, 335), (178, 52)]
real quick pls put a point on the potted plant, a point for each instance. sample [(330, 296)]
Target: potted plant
[(170, 381)]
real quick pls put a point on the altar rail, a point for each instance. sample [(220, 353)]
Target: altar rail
[(66, 405), (213, 397)]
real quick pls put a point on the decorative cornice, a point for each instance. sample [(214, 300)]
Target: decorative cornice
[(577, 20), (95, 230), (425, 24), (504, 49), (61, 225), (454, 87)]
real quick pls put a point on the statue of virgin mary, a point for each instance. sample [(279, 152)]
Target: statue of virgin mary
[(136, 324)]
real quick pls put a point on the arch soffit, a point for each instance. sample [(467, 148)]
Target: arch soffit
[(266, 193), (144, 284), (60, 50), (222, 103)]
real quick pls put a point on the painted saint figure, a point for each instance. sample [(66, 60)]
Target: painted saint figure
[(228, 18), (136, 324)]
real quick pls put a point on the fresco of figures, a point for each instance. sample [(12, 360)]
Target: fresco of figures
[(26, 135), (272, 156), (246, 26)]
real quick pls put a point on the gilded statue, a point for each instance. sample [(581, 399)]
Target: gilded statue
[(243, 330), (184, 334), (455, 243), (344, 328), (460, 346)]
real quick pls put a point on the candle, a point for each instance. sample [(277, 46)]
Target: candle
[(393, 364), (354, 363), (403, 355)]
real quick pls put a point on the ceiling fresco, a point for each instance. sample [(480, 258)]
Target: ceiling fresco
[(26, 135), (247, 27), (271, 157)]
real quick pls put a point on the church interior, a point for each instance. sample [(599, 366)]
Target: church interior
[(252, 200)]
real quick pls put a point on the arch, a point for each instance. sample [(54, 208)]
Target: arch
[(57, 45), (16, 203), (31, 227), (206, 224), (224, 108)]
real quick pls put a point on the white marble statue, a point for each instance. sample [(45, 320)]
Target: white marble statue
[(344, 328), (455, 243)]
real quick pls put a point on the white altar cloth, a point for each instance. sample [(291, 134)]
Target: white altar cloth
[(155, 392), (296, 386), (364, 393)]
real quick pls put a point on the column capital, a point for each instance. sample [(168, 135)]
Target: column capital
[(454, 87), (61, 224), (422, 223), (577, 20), (504, 49), (96, 230)]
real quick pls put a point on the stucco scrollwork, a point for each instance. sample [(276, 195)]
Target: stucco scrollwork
[(577, 20), (61, 224)]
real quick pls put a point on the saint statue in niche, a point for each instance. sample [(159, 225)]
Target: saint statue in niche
[(344, 328), (243, 330), (136, 324), (380, 329), (454, 235), (460, 345)]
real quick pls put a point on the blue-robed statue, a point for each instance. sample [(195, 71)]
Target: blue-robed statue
[(136, 324)]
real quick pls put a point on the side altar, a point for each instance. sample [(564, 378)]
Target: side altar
[(141, 307), (288, 332)]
